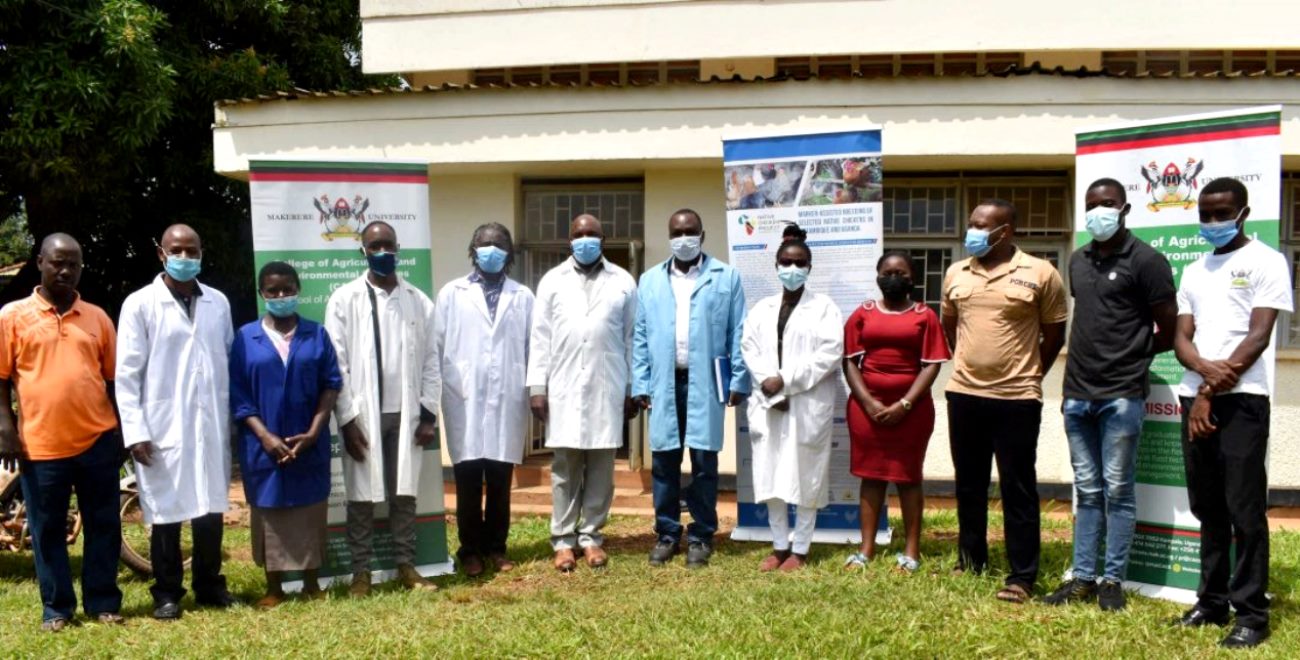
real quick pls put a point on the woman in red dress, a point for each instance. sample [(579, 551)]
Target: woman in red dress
[(892, 351)]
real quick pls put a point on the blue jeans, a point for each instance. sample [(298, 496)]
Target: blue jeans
[(1103, 439), (47, 490), (701, 494)]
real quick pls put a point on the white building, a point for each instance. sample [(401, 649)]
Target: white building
[(531, 111)]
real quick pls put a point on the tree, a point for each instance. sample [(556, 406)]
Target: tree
[(15, 240), (106, 132)]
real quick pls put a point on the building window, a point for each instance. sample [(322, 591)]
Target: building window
[(921, 208), (1291, 322), (549, 205), (929, 264), (926, 215), (1043, 208)]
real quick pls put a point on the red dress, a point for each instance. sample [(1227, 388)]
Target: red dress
[(890, 348)]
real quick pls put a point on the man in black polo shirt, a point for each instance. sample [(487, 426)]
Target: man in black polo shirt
[(1121, 288)]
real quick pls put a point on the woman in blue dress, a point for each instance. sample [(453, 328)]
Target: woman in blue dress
[(284, 378)]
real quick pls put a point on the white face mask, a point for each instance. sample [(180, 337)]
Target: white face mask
[(686, 248)]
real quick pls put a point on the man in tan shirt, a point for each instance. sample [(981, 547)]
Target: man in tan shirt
[(1004, 312)]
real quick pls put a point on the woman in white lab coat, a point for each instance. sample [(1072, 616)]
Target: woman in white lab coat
[(792, 345), (483, 347)]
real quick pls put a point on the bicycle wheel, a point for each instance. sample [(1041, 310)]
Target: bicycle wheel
[(136, 534)]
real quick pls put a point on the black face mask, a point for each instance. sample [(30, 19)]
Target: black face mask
[(894, 287)]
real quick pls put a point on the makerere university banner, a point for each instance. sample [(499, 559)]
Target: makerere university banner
[(831, 185), (310, 214), (1163, 164)]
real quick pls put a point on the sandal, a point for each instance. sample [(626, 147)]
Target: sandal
[(856, 560), (1013, 593), (907, 564)]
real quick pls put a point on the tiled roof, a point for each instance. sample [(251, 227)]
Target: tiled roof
[(1003, 72)]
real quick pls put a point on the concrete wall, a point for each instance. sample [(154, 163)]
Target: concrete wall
[(395, 33), (981, 123)]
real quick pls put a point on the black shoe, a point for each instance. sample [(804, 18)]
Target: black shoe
[(221, 600), (697, 555), (1072, 591), (1197, 617), (663, 552), (167, 610), (1110, 596), (1242, 637)]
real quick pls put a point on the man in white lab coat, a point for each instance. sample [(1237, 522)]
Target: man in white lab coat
[(579, 369), (483, 351), (173, 393), (384, 332)]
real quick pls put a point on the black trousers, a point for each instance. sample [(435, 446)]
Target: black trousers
[(483, 529), (980, 430), (169, 564), (1227, 486)]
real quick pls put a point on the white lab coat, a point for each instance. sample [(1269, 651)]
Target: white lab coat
[(484, 362), (580, 350), (349, 323), (173, 390), (792, 449)]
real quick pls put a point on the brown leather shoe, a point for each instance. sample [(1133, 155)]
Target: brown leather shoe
[(360, 587), (564, 560), (773, 561), (411, 578), (596, 557), (269, 601), (794, 562), (472, 565), (503, 564)]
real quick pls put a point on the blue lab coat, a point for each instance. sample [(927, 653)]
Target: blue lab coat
[(717, 320), (285, 397)]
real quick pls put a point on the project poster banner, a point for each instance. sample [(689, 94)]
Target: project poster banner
[(310, 214), (1163, 165), (831, 185)]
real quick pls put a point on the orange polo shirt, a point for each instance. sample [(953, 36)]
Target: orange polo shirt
[(60, 366)]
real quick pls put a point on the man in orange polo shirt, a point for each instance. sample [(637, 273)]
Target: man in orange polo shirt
[(58, 351)]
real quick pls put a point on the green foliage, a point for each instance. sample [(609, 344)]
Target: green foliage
[(107, 112), (15, 240)]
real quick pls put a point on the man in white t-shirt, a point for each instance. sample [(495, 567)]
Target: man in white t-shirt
[(1227, 304)]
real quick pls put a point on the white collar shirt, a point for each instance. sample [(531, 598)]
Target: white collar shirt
[(683, 284)]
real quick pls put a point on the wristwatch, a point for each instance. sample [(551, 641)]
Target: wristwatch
[(907, 405)]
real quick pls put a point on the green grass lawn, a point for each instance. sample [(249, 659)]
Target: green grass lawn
[(631, 609)]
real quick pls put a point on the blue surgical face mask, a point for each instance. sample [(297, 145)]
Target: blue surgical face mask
[(977, 241), (792, 277), (490, 259), (182, 269), (282, 307), (1102, 222), (1221, 233), (586, 249), (382, 264)]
